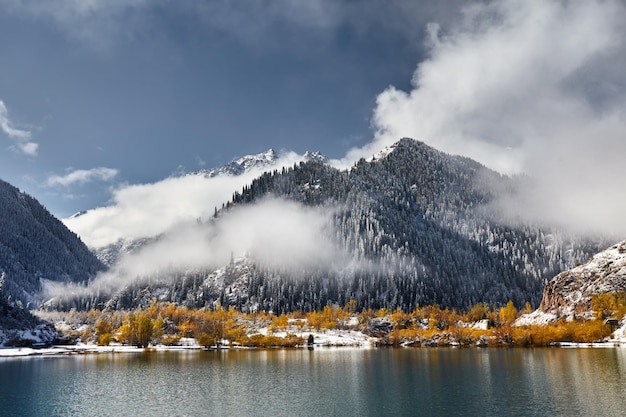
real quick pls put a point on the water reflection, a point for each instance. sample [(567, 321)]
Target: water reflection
[(319, 382)]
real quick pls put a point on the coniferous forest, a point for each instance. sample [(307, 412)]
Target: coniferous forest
[(420, 224), (34, 245)]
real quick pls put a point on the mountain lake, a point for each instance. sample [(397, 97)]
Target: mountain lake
[(320, 382)]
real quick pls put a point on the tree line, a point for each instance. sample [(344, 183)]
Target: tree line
[(430, 325)]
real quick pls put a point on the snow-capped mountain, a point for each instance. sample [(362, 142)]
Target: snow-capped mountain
[(416, 224), (245, 168), (315, 156), (247, 163), (244, 164)]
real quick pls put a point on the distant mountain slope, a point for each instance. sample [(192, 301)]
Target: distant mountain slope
[(418, 224), (34, 245)]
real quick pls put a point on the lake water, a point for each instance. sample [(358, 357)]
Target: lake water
[(334, 382)]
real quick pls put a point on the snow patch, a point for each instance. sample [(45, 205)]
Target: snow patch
[(382, 153), (536, 318)]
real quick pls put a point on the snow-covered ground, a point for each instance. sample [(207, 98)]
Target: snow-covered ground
[(336, 338), (540, 318), (330, 338), (536, 318), (322, 338), (66, 350)]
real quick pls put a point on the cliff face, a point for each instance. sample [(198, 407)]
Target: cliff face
[(569, 293)]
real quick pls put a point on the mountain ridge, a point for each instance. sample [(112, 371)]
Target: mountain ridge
[(246, 163), (421, 219), (242, 164), (34, 246)]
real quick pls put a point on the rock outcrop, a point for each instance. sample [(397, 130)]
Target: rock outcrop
[(569, 293)]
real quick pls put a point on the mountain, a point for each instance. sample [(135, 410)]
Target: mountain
[(315, 156), (263, 160), (243, 164), (429, 215), (569, 293), (419, 225), (18, 327), (248, 164), (110, 254), (35, 246)]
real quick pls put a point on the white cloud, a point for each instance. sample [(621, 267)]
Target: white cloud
[(7, 126), (21, 137), (520, 85), (82, 176), (27, 148), (278, 233), (147, 210), (101, 24), (95, 22), (526, 86)]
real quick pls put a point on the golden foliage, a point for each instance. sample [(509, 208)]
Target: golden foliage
[(608, 304), (561, 331), (508, 314), (167, 323)]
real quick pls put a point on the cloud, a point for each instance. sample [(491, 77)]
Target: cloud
[(82, 176), (524, 86), (147, 210), (274, 232), (21, 137), (7, 125), (279, 233), (533, 87), (27, 148), (103, 24), (94, 22)]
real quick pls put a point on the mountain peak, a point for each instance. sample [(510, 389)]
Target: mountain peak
[(315, 156), (261, 160), (244, 164)]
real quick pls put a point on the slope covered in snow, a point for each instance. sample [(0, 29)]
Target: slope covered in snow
[(414, 225), (241, 165), (569, 293)]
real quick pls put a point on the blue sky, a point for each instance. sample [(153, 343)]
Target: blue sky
[(152, 88), (102, 101)]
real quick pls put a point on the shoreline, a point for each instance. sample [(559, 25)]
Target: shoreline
[(89, 349)]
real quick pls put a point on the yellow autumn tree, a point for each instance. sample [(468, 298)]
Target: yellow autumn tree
[(508, 314), (145, 330)]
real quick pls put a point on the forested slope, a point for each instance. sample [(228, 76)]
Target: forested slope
[(34, 245), (420, 225), (429, 215)]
